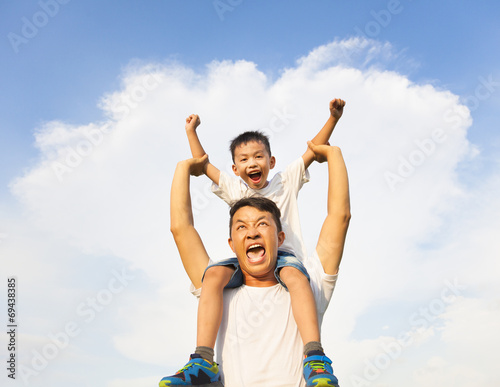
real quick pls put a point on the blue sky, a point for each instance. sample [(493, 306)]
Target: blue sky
[(402, 66), (77, 55)]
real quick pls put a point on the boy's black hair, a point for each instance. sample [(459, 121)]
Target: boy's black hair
[(251, 135), (260, 203)]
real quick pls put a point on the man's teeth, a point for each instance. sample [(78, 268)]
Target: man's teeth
[(256, 252)]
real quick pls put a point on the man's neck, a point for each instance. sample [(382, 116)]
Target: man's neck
[(259, 282)]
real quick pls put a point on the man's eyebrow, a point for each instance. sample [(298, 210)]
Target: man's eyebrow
[(244, 221)]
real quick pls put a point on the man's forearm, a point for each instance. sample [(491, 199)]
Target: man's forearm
[(181, 214), (338, 184), (333, 233), (189, 244)]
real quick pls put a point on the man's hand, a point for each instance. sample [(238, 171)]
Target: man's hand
[(192, 122), (337, 108), (320, 151), (197, 165)]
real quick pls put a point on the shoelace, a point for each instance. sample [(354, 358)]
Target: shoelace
[(317, 365), (189, 365)]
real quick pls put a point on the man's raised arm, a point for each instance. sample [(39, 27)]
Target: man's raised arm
[(191, 249), (333, 233)]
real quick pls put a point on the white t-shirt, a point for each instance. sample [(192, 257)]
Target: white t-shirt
[(259, 344), (283, 189)]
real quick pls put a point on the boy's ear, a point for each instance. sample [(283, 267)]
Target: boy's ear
[(272, 162), (230, 241), (235, 170), (281, 238)]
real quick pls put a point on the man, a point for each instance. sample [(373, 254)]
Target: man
[(258, 333)]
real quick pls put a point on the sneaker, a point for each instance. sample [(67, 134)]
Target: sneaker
[(318, 371), (197, 372)]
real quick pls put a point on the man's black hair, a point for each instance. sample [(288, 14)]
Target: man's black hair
[(260, 203), (252, 135)]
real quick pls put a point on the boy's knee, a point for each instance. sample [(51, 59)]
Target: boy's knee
[(292, 276), (218, 275)]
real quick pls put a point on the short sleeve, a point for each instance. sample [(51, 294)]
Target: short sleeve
[(322, 284), (195, 292), (295, 175), (229, 189)]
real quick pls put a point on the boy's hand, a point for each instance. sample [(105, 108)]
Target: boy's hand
[(337, 107), (192, 122), (320, 151)]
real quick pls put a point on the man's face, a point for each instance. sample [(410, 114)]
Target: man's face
[(252, 163), (255, 240)]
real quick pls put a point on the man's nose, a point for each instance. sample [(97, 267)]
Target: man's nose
[(252, 233)]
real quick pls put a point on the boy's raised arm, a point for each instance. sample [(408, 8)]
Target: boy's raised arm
[(333, 232), (197, 151), (189, 244), (336, 110)]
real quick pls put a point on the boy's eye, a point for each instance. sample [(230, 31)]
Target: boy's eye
[(262, 224)]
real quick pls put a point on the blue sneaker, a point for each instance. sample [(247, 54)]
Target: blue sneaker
[(318, 371), (197, 372)]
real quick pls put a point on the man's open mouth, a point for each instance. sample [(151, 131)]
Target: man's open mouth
[(255, 177), (255, 253)]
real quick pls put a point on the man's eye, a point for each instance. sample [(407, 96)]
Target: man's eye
[(262, 224), (240, 227)]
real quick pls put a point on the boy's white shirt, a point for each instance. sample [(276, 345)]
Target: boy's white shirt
[(283, 189)]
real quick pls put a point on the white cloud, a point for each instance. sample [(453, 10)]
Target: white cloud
[(101, 191)]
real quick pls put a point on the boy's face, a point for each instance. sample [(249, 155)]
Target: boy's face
[(252, 163), (255, 240)]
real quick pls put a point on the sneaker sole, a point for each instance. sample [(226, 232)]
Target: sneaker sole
[(214, 384)]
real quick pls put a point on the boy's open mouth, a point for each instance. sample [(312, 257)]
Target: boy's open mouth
[(255, 253), (255, 177)]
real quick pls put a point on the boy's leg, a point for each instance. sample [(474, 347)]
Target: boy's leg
[(317, 367), (210, 306), (201, 368), (303, 304)]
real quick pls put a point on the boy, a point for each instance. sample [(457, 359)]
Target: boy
[(252, 159)]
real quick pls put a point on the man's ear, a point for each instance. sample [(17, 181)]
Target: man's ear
[(281, 238), (272, 162), (235, 170), (230, 241)]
